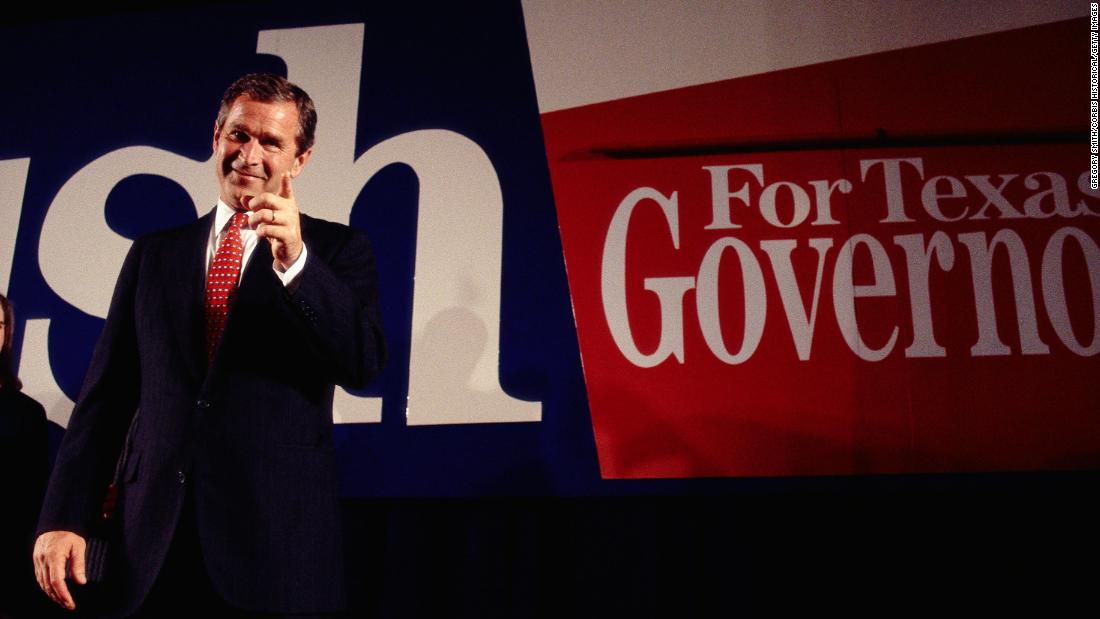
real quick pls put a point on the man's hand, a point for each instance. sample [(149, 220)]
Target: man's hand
[(276, 219), (53, 552)]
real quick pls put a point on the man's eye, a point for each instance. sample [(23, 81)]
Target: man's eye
[(239, 136)]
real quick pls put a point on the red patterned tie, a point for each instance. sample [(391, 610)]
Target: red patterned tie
[(221, 282)]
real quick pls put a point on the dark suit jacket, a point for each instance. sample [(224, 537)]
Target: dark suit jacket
[(251, 435)]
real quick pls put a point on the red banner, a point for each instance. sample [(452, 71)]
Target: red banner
[(882, 264)]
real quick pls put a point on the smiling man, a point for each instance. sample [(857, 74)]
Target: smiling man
[(220, 353)]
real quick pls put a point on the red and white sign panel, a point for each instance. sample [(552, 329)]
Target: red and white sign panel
[(883, 264)]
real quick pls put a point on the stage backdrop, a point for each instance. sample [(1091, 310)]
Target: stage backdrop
[(829, 241)]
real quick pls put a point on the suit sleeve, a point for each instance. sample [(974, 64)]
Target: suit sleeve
[(108, 399), (335, 300)]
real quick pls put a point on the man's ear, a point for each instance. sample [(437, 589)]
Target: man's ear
[(300, 162), (216, 135)]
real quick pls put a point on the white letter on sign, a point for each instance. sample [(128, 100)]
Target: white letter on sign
[(670, 290), (756, 300), (981, 273), (845, 292), (891, 178), (13, 179), (720, 193), (802, 326), (1054, 289)]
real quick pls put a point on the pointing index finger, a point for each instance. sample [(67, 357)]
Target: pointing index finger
[(285, 190)]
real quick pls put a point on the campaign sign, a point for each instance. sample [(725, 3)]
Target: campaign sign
[(883, 264), (428, 140)]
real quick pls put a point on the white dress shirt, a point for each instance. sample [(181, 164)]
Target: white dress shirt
[(248, 236)]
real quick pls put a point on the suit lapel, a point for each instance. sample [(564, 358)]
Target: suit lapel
[(187, 296)]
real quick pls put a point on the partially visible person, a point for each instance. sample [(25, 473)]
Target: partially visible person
[(24, 464)]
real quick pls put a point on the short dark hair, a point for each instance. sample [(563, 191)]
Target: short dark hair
[(269, 88), (8, 379)]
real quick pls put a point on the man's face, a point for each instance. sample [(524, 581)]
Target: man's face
[(254, 147)]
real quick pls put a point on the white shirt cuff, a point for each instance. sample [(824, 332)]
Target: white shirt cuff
[(290, 275)]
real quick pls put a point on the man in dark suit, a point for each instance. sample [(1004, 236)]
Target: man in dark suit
[(226, 338)]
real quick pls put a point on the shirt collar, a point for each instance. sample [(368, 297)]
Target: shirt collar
[(222, 216)]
